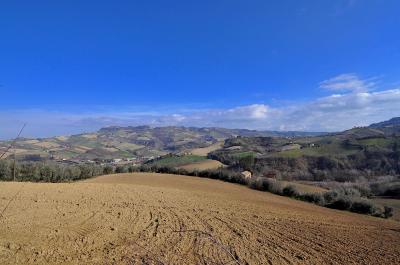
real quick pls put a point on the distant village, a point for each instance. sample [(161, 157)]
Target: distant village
[(134, 161)]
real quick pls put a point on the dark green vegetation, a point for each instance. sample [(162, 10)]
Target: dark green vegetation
[(128, 142), (348, 156), (49, 171)]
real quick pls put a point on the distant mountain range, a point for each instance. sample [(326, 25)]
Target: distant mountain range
[(146, 141), (124, 142)]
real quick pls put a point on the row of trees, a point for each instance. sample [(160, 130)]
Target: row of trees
[(49, 171)]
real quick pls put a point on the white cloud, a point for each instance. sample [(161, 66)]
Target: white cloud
[(336, 112), (347, 82), (344, 111), (250, 112)]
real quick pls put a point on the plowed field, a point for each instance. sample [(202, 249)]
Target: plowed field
[(167, 219)]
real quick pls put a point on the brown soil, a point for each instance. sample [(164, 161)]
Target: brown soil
[(167, 219)]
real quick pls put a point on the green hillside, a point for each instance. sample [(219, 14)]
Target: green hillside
[(359, 152)]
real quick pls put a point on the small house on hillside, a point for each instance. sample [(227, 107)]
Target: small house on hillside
[(246, 174)]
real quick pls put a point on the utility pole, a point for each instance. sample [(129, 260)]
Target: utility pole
[(11, 146), (14, 165)]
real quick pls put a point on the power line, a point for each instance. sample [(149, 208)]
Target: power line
[(13, 142)]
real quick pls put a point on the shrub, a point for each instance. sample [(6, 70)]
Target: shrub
[(246, 162), (132, 169), (290, 191), (5, 170), (252, 183), (266, 184), (275, 186), (363, 206), (121, 169), (388, 212), (259, 184), (341, 203), (87, 171), (341, 192), (108, 170), (349, 191), (316, 198), (330, 196)]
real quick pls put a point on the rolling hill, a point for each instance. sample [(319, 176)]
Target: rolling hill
[(361, 151), (129, 142), (147, 218)]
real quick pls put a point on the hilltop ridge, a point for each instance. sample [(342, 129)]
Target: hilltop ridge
[(130, 142)]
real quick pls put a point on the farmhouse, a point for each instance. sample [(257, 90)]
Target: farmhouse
[(246, 174)]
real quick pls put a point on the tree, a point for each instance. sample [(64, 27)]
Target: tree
[(247, 162), (5, 170), (108, 170)]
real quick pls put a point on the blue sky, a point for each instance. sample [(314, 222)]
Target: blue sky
[(73, 66)]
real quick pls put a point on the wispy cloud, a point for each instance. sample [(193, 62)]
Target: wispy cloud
[(347, 82), (353, 104)]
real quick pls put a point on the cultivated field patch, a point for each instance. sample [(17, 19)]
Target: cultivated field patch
[(147, 218), (203, 165), (205, 150)]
